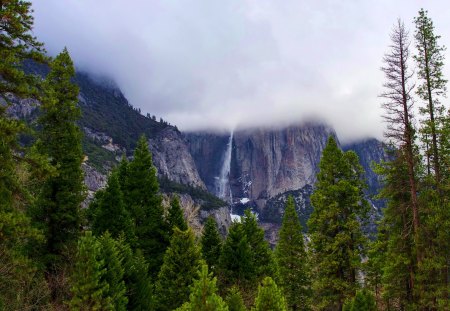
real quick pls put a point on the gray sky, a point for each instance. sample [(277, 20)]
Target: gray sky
[(217, 64)]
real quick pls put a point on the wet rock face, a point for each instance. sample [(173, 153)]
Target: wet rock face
[(172, 158)]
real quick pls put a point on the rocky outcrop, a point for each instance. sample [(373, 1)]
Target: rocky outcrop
[(172, 158)]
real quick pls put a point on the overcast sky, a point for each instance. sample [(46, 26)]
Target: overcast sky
[(218, 64)]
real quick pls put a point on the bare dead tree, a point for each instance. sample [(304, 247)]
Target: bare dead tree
[(398, 115)]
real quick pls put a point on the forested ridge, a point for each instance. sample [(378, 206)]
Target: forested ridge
[(126, 251)]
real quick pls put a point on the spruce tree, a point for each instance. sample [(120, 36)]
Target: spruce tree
[(108, 213), (211, 243), (292, 260), (337, 242), (89, 287), (270, 297), (58, 206), (234, 300), (114, 272), (204, 295), (175, 216), (181, 263), (143, 201)]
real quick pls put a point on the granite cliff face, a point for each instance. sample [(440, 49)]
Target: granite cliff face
[(264, 162)]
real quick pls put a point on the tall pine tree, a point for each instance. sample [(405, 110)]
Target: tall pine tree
[(337, 242), (292, 260), (58, 206), (143, 201), (175, 216)]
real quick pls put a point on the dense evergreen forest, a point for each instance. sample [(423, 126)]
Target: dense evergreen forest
[(127, 252)]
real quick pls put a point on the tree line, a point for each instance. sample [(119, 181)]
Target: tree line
[(127, 252)]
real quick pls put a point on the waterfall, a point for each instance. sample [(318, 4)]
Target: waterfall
[(224, 189)]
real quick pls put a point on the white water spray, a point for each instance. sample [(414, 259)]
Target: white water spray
[(224, 189)]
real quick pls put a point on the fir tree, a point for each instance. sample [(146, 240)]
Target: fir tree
[(143, 201), (137, 281), (108, 213), (60, 138), (234, 300), (175, 216), (269, 297), (363, 300), (211, 243), (181, 263), (430, 61), (292, 260), (262, 257), (89, 287), (236, 261), (114, 273), (337, 241), (204, 295)]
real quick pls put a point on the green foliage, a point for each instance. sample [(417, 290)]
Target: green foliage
[(60, 138), (203, 295), (292, 260), (234, 300), (98, 157), (143, 201), (337, 242), (236, 263), (211, 243), (114, 273), (364, 300), (209, 200), (108, 213), (137, 281), (262, 256), (181, 263), (175, 216), (269, 297), (89, 287)]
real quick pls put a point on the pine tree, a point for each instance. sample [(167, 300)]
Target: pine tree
[(21, 283), (143, 201), (89, 287), (108, 213), (211, 243), (430, 62), (292, 260), (269, 297), (137, 281), (234, 300), (236, 261), (204, 295), (363, 300), (181, 263), (262, 256), (114, 273), (60, 138), (175, 216), (337, 241)]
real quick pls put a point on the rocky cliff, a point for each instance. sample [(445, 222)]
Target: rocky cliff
[(264, 162)]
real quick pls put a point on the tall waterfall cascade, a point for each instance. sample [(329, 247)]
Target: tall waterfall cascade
[(223, 181)]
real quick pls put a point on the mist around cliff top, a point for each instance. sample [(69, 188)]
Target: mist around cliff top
[(222, 64)]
